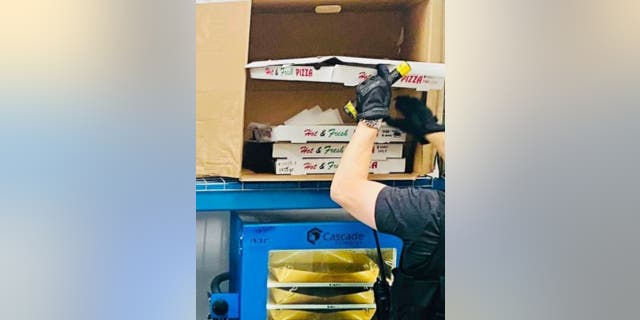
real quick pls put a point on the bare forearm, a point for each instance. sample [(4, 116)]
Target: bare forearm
[(357, 156), (437, 140), (351, 188)]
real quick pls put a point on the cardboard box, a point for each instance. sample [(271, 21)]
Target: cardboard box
[(349, 71), (308, 133), (221, 49), (320, 166), (381, 151), (229, 34)]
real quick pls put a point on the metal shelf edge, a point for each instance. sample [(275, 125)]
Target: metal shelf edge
[(221, 194)]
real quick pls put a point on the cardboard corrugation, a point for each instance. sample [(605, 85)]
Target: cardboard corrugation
[(310, 34), (222, 47)]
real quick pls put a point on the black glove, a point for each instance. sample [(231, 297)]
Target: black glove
[(418, 119), (373, 96)]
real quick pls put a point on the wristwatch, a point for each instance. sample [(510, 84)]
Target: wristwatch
[(374, 124)]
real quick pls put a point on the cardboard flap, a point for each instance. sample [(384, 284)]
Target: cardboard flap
[(222, 33), (433, 69), (287, 62)]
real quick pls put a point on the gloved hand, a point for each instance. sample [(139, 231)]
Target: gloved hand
[(418, 119), (373, 96)]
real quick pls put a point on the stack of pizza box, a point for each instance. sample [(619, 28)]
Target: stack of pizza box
[(313, 141)]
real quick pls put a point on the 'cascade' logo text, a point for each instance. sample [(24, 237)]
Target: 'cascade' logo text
[(313, 235)]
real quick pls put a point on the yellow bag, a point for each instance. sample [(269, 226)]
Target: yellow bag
[(322, 266), (283, 296), (365, 314)]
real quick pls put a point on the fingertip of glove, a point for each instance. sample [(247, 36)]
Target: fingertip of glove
[(382, 68)]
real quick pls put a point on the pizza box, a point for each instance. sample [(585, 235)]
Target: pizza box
[(323, 133), (422, 77), (349, 71), (381, 151), (322, 165)]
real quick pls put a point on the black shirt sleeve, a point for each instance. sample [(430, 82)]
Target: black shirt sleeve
[(406, 212)]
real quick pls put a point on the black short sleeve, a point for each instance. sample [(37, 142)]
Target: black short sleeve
[(406, 212)]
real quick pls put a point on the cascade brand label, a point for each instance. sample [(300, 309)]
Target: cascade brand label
[(315, 235), (379, 151), (322, 166)]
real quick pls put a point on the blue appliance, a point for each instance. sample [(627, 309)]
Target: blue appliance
[(252, 243)]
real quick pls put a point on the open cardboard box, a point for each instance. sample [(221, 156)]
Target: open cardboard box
[(229, 34)]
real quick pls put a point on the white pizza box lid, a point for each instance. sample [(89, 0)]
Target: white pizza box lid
[(321, 133), (381, 151), (324, 166), (346, 70)]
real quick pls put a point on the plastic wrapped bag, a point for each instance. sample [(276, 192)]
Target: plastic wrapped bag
[(322, 296), (322, 266), (363, 314)]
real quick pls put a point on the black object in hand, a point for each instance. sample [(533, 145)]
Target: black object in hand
[(382, 295), (418, 119), (373, 96)]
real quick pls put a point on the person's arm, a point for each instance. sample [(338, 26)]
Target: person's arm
[(437, 140), (351, 188)]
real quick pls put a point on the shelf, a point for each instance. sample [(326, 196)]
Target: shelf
[(224, 194), (248, 176), (320, 306), (319, 284)]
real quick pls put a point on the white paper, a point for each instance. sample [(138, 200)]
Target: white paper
[(315, 116)]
